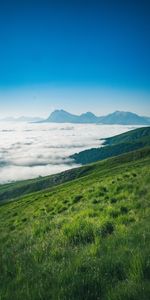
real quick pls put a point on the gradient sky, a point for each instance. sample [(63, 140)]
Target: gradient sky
[(75, 55)]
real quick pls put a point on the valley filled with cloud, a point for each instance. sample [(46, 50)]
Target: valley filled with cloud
[(29, 150)]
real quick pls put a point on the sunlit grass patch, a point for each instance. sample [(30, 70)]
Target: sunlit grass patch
[(85, 239)]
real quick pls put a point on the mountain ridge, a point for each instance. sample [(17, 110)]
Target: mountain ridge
[(117, 117), (114, 146), (22, 119)]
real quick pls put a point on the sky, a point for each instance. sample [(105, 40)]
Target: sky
[(75, 55)]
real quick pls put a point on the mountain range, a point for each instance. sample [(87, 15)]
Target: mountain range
[(22, 119), (118, 117), (62, 116)]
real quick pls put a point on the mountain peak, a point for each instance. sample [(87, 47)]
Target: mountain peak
[(124, 118), (61, 116), (58, 111), (88, 113), (119, 112), (117, 117)]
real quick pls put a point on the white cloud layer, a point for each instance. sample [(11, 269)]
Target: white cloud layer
[(32, 150)]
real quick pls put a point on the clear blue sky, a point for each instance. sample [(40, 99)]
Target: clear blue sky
[(77, 55)]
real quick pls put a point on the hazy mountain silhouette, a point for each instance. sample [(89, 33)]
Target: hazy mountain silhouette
[(118, 117)]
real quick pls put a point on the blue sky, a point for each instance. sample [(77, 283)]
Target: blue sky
[(76, 55)]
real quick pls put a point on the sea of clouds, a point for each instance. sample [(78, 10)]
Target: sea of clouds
[(29, 150)]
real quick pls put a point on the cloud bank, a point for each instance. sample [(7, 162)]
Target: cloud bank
[(32, 150)]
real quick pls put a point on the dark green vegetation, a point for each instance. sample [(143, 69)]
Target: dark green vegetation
[(85, 239), (17, 189), (131, 136), (123, 143)]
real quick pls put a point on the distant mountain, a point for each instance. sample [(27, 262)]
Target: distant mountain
[(118, 117), (88, 117), (125, 118), (29, 119), (62, 116), (22, 119), (147, 119)]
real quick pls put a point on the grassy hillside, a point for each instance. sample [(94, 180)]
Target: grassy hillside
[(85, 239), (122, 143), (14, 190), (131, 136)]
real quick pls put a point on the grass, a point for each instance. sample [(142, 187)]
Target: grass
[(83, 239), (130, 136)]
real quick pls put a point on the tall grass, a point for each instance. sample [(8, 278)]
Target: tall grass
[(87, 239)]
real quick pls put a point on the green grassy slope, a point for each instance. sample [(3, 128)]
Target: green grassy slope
[(130, 136), (97, 154), (14, 190), (122, 143), (84, 239)]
